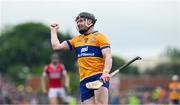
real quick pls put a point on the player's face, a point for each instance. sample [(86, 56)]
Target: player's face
[(81, 25), (55, 60)]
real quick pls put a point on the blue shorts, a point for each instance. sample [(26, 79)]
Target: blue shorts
[(88, 93)]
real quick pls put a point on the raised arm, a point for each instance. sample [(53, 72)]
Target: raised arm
[(56, 45)]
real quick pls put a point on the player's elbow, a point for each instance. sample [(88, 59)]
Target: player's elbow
[(55, 47), (109, 57), (66, 76)]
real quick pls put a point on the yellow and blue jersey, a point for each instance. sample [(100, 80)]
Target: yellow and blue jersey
[(88, 50)]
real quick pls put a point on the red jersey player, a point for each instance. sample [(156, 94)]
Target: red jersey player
[(54, 72)]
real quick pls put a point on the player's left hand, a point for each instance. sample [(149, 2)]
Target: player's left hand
[(105, 77)]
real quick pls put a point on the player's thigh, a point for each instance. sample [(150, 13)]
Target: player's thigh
[(101, 96), (90, 101), (52, 94), (62, 94)]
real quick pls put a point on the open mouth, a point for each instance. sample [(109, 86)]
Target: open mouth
[(81, 27)]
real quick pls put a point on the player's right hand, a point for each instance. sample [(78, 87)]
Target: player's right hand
[(54, 26)]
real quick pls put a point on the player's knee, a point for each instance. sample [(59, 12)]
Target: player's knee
[(53, 101), (101, 101), (101, 96)]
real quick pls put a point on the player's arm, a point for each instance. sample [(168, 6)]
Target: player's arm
[(66, 79), (108, 60), (106, 52), (43, 81), (56, 45), (107, 64)]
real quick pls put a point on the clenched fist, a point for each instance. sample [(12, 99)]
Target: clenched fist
[(54, 27)]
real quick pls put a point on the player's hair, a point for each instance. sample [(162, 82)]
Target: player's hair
[(54, 55), (86, 15)]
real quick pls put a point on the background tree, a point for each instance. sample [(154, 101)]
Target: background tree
[(25, 49), (28, 44), (117, 62), (173, 53), (168, 68)]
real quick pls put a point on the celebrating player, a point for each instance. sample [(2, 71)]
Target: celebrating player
[(94, 57), (55, 71)]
